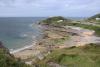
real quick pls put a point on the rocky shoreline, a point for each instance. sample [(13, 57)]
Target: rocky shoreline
[(44, 46), (54, 38)]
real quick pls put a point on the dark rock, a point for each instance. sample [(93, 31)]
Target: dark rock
[(1, 45)]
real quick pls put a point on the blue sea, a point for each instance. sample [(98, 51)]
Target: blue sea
[(16, 32)]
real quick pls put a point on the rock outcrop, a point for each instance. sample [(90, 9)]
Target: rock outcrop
[(1, 45)]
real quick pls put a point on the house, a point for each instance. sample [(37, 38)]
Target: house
[(97, 18), (60, 21)]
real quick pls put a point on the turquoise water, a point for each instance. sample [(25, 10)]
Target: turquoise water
[(16, 32)]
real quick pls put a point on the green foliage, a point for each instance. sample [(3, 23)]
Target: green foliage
[(86, 56), (8, 60), (55, 21), (95, 16)]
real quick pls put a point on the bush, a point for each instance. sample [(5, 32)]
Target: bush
[(8, 60), (55, 21)]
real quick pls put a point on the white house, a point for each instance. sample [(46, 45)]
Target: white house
[(60, 21), (97, 18)]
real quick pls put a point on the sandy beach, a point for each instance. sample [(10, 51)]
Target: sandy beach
[(25, 51), (28, 52)]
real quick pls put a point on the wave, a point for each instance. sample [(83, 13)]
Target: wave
[(12, 51), (31, 25), (24, 35)]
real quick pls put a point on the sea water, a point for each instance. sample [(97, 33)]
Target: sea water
[(17, 32)]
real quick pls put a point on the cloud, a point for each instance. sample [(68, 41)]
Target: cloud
[(52, 4), (51, 7)]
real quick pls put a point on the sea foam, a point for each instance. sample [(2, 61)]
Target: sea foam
[(23, 48)]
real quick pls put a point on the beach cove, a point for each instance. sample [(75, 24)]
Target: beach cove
[(48, 43), (55, 38)]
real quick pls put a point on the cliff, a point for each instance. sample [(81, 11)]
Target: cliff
[(8, 60), (1, 45)]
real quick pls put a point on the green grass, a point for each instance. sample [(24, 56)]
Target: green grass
[(53, 21), (60, 41), (88, 56), (8, 60), (94, 17)]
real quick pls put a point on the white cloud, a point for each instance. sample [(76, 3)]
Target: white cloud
[(50, 6)]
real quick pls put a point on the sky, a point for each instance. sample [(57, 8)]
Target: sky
[(44, 8)]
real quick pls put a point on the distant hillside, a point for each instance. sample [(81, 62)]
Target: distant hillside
[(94, 17), (8, 60), (55, 21)]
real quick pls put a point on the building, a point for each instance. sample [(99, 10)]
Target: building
[(60, 21), (97, 18)]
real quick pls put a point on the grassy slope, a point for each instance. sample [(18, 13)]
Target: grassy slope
[(7, 60), (95, 16), (88, 56)]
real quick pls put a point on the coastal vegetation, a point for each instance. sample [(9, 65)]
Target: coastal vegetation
[(86, 56), (8, 60), (93, 18), (52, 50), (55, 21), (81, 56)]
